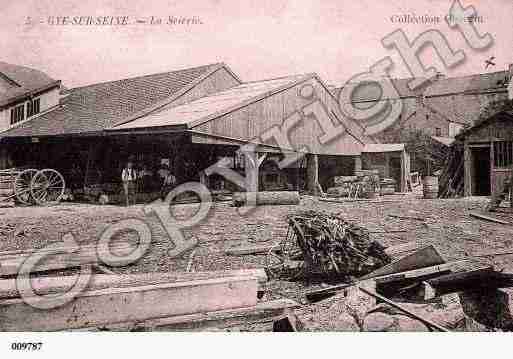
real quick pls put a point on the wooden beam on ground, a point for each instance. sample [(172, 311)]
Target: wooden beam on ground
[(117, 305), (267, 198), (261, 312), (407, 217), (424, 257), (404, 310), (323, 293), (58, 284), (243, 250), (493, 253), (488, 218), (480, 278)]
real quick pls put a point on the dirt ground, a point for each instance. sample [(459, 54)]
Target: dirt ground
[(447, 224), (444, 223)]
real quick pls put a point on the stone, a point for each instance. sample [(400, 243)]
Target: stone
[(346, 323), (378, 322), (403, 323)]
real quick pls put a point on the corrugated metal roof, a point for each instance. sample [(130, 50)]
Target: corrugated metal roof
[(19, 80), (374, 91), (195, 112), (383, 147), (472, 83), (97, 107)]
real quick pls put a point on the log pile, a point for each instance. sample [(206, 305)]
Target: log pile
[(334, 247)]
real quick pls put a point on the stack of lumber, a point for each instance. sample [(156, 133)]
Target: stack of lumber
[(7, 189), (333, 246), (353, 186), (168, 300)]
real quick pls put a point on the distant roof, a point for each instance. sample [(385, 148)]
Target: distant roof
[(372, 91), (96, 107), (19, 81), (472, 83), (214, 105), (383, 147), (444, 140)]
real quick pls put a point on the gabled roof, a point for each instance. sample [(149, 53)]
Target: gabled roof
[(96, 107), (20, 81), (508, 114), (215, 105), (373, 91), (468, 84)]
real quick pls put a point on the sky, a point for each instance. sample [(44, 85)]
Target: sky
[(257, 39)]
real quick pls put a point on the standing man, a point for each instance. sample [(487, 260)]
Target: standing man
[(128, 176)]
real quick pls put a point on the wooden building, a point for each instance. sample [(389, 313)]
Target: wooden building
[(191, 119), (488, 154)]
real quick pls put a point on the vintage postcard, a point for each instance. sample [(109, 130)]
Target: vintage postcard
[(255, 166)]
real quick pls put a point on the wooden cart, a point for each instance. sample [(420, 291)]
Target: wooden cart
[(31, 186)]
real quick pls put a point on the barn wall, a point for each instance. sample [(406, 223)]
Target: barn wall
[(250, 122)]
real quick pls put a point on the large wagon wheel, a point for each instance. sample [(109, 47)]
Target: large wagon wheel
[(22, 186), (47, 187)]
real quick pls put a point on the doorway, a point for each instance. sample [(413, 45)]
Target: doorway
[(481, 171)]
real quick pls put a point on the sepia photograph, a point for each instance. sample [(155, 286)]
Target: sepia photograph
[(327, 167)]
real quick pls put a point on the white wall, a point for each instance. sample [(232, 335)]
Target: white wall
[(47, 100), (454, 129)]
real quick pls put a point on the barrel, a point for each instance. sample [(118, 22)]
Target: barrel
[(430, 187)]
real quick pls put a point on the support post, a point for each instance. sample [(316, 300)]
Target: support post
[(467, 171), (252, 163), (312, 172), (358, 163)]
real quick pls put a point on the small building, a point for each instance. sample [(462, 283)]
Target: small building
[(392, 161), (488, 154), (25, 93)]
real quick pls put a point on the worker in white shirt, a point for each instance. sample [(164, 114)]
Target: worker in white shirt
[(168, 180), (129, 176)]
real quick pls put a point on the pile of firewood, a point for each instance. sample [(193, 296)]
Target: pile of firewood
[(334, 247)]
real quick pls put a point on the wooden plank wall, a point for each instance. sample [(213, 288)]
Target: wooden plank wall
[(253, 120)]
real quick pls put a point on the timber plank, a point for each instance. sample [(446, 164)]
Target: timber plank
[(57, 284), (424, 257), (488, 218), (110, 306), (266, 311), (479, 278)]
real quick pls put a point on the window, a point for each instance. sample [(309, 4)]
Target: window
[(503, 154), (33, 107), (17, 114), (438, 131)]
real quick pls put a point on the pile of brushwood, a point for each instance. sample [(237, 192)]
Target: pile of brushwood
[(332, 246)]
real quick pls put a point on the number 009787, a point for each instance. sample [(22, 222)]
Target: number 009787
[(26, 346)]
